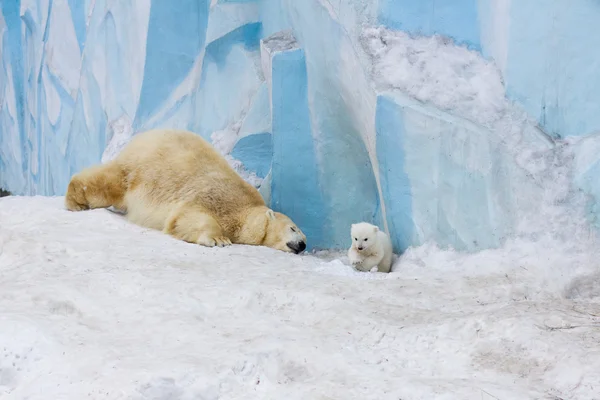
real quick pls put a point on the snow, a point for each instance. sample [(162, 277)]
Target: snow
[(224, 141), (122, 133), (248, 176), (435, 70), (95, 307)]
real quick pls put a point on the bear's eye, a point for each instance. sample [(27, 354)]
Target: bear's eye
[(356, 239), (366, 239), (293, 229)]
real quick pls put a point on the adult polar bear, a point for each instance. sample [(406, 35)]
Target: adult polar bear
[(174, 181)]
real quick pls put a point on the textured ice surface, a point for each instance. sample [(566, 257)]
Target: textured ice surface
[(93, 306)]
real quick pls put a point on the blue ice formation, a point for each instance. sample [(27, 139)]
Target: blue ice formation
[(333, 125)]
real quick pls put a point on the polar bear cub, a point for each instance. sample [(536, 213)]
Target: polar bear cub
[(370, 248)]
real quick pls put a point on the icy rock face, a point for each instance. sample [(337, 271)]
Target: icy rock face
[(458, 122)]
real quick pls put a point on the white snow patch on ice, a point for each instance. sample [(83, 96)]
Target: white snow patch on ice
[(248, 176), (122, 132), (433, 69), (224, 141), (93, 306)]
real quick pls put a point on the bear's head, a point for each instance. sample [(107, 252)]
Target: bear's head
[(364, 235), (282, 234)]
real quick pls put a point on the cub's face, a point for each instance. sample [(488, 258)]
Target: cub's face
[(363, 235), (282, 234)]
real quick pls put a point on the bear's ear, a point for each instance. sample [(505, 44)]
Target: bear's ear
[(270, 214), (375, 228)]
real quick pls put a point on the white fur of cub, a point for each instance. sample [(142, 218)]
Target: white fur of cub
[(370, 248)]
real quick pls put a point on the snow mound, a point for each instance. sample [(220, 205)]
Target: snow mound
[(95, 307)]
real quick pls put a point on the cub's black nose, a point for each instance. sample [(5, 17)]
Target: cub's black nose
[(360, 248)]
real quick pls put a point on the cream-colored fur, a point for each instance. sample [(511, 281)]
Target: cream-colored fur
[(174, 181), (370, 248)]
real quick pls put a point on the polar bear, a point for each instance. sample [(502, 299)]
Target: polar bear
[(370, 248), (176, 182)]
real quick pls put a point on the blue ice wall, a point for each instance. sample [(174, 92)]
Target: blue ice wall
[(295, 169), (284, 89), (551, 67), (176, 35)]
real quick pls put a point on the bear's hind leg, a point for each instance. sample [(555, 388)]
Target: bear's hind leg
[(194, 225), (99, 186)]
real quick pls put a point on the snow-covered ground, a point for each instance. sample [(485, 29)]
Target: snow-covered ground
[(94, 307)]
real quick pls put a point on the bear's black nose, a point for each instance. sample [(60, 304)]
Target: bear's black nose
[(360, 248), (301, 246), (296, 247)]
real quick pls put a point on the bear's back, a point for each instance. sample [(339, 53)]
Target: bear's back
[(171, 166)]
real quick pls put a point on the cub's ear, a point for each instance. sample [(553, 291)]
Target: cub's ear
[(270, 214), (375, 228)]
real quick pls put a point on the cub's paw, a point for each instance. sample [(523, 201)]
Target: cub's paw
[(361, 266), (355, 261)]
